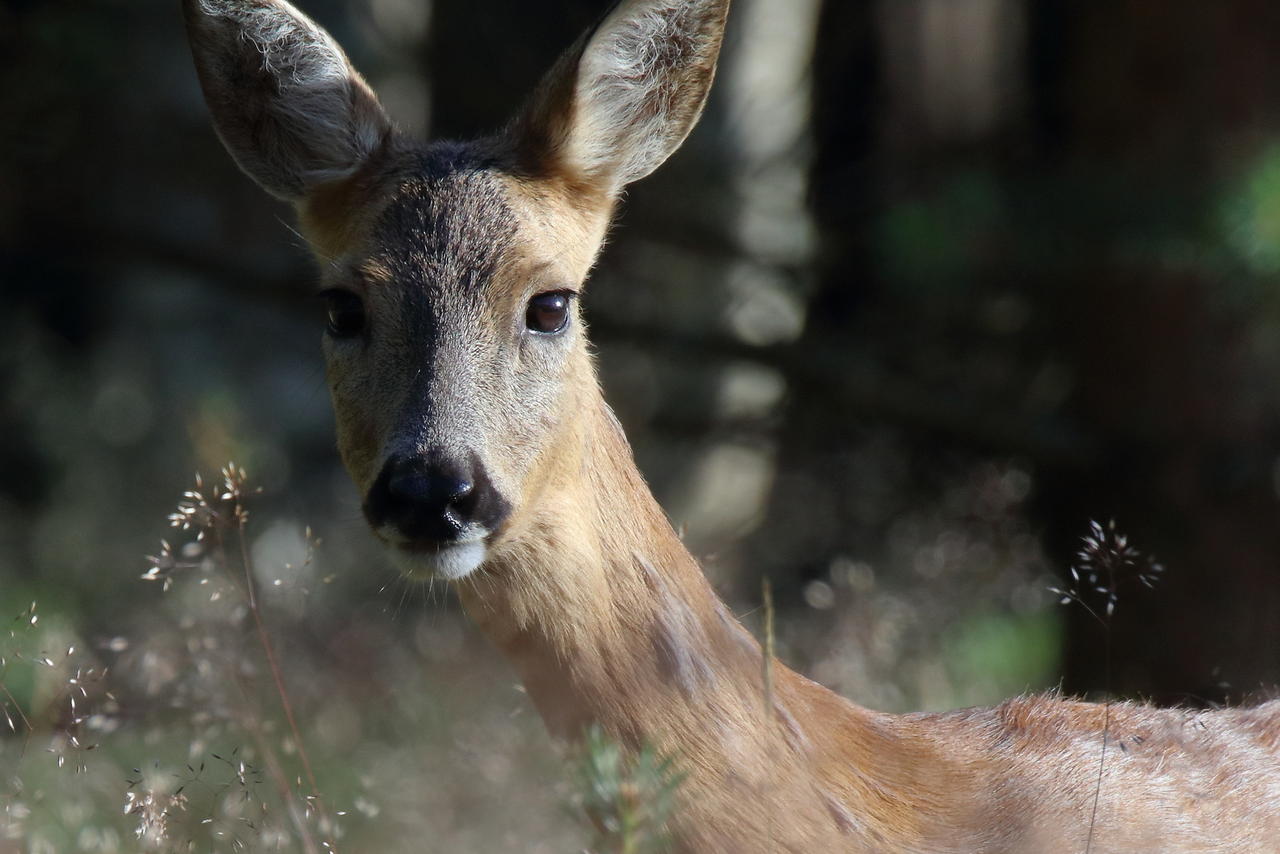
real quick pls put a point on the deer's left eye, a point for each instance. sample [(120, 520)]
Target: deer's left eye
[(346, 313), (548, 313)]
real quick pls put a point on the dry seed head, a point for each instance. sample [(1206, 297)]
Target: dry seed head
[(1106, 562)]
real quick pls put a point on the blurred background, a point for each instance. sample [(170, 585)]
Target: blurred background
[(934, 284)]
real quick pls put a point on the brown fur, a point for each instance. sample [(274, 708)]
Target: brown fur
[(586, 588)]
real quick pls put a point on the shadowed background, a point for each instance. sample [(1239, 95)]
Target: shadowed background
[(934, 283)]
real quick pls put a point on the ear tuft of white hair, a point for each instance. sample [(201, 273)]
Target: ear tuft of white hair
[(285, 100)]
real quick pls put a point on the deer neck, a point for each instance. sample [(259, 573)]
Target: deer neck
[(608, 619), (597, 602)]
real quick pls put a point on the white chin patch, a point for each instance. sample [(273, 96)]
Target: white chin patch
[(452, 561)]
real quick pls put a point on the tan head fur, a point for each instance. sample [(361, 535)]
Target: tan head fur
[(449, 266)]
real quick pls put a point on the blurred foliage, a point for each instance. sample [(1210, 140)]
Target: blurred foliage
[(1251, 216), (928, 245), (627, 795)]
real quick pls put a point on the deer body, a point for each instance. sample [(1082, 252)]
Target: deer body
[(653, 655), (470, 418)]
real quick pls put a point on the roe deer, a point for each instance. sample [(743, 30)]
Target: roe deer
[(470, 418)]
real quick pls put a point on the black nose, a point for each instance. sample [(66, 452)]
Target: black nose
[(435, 492), (433, 497)]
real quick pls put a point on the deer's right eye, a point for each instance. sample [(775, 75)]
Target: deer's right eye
[(346, 314), (548, 313)]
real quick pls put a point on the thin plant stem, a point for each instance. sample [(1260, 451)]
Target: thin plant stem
[(277, 675), (214, 519), (1105, 556), (767, 595), (1102, 756), (17, 707), (767, 592), (31, 730), (296, 813)]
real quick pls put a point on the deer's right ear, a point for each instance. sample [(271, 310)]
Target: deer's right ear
[(286, 103)]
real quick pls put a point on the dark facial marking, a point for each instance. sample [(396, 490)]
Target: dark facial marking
[(442, 239), (449, 227)]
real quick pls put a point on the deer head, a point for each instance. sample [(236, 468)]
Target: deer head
[(456, 353)]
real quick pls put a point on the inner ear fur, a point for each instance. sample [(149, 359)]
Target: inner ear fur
[(285, 100)]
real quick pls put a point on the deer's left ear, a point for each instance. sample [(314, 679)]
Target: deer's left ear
[(286, 102), (623, 99)]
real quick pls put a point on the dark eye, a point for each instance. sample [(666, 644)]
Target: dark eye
[(346, 314), (548, 313)]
